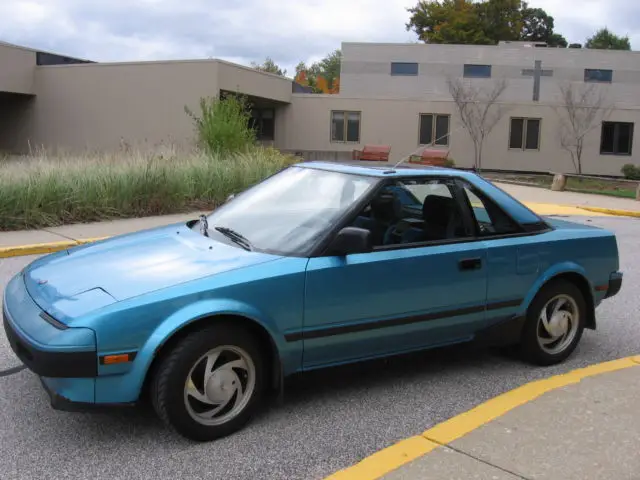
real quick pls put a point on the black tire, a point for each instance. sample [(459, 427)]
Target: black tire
[(169, 378), (529, 348)]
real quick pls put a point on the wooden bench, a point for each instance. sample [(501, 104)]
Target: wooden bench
[(373, 153), (433, 157)]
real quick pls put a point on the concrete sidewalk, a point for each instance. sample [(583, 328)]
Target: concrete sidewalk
[(580, 425), (84, 231), (586, 430), (543, 195)]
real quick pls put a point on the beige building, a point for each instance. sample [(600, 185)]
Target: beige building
[(392, 94)]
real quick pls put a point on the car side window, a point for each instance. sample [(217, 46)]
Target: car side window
[(413, 211), (489, 218)]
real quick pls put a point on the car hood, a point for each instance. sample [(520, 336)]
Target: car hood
[(72, 283)]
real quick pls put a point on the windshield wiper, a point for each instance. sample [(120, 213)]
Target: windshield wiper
[(235, 236)]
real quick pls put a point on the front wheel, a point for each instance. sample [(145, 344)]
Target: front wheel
[(210, 384), (555, 323)]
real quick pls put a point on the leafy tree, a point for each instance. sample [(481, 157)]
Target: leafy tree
[(501, 20), (557, 40), (322, 76), (604, 39), (269, 66), (447, 21), (538, 26), (485, 22)]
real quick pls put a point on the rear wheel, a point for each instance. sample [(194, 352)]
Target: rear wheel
[(555, 323), (211, 383)]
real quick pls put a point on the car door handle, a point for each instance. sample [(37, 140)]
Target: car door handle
[(470, 264)]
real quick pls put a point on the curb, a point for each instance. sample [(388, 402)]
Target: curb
[(613, 211), (40, 248), (405, 451)]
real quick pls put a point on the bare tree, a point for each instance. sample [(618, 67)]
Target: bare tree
[(582, 108), (478, 110)]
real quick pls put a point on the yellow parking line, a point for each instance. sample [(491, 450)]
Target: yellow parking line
[(553, 209), (41, 248), (613, 211), (403, 452)]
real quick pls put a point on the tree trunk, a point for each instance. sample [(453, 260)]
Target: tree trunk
[(476, 157)]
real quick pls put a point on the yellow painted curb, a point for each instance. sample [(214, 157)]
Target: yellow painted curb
[(554, 209), (403, 452), (613, 211), (40, 248)]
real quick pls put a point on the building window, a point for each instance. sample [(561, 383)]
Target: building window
[(477, 71), (596, 75), (345, 127), (525, 134), (434, 129), (616, 138), (404, 68), (263, 122)]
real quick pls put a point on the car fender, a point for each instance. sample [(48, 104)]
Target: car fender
[(196, 311), (552, 272)]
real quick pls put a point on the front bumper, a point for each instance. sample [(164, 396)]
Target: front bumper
[(60, 402), (53, 364), (615, 284), (45, 362)]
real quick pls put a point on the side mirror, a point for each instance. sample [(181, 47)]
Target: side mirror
[(351, 240), (230, 197)]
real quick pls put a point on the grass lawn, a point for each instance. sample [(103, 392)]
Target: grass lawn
[(584, 185), (43, 191)]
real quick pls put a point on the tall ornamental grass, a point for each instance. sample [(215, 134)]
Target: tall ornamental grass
[(42, 191), (223, 124)]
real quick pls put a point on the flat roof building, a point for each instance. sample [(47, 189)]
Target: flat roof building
[(391, 94)]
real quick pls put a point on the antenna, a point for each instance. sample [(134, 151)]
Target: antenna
[(422, 148)]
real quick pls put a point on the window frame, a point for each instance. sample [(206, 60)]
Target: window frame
[(467, 67), (459, 195), (399, 74), (345, 127), (492, 208), (616, 135), (525, 125), (587, 79), (433, 129)]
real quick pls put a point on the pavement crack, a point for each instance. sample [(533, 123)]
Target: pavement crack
[(12, 370), (462, 452)]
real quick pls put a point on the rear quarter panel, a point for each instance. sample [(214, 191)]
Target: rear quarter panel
[(588, 251)]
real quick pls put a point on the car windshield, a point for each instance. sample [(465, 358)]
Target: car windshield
[(287, 212)]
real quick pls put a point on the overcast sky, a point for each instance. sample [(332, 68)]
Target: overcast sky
[(250, 30)]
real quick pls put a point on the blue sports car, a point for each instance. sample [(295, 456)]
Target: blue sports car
[(318, 265)]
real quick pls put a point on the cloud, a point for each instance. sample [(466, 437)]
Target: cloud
[(286, 30)]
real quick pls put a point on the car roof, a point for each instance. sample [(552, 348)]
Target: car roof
[(376, 169)]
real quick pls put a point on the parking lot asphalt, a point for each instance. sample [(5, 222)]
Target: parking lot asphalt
[(329, 420)]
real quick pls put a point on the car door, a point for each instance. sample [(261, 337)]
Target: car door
[(512, 265), (397, 298)]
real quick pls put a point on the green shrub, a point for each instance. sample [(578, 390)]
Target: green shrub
[(42, 191), (222, 126), (631, 172)]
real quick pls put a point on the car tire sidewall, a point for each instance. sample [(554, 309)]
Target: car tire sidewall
[(529, 347), (171, 376)]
